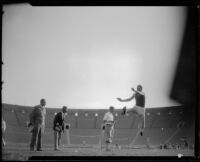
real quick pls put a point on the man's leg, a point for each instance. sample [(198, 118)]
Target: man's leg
[(39, 147), (59, 138), (107, 145), (102, 136), (109, 139), (34, 137), (3, 142), (132, 110), (141, 115), (107, 135), (111, 134), (55, 140), (141, 124)]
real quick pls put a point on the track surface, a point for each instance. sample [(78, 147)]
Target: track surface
[(20, 151)]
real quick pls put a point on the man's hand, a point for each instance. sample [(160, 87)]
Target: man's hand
[(133, 89), (103, 127), (124, 110), (29, 124), (58, 128), (119, 99)]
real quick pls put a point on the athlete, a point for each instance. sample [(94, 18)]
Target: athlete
[(139, 108), (108, 120)]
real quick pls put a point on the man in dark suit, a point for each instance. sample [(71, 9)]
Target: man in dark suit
[(37, 121), (58, 126)]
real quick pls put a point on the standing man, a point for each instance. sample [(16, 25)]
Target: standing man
[(3, 132), (58, 127), (139, 108), (37, 120), (108, 120)]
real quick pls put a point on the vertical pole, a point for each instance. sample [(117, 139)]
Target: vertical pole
[(102, 137), (95, 122), (76, 124), (167, 141), (144, 119)]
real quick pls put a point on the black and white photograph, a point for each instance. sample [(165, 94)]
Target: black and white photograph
[(98, 81)]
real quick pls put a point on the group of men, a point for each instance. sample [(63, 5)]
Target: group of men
[(37, 120)]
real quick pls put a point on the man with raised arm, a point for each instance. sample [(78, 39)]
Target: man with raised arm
[(139, 108)]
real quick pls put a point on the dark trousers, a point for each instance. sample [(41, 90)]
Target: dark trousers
[(36, 137), (57, 139)]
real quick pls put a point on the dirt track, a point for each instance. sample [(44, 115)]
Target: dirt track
[(19, 151)]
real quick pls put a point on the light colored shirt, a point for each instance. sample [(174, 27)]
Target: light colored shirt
[(108, 117), (63, 116), (3, 125), (44, 114)]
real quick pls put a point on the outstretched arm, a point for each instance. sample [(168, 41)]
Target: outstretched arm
[(142, 93), (126, 100)]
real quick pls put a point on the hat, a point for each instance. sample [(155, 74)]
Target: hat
[(111, 108)]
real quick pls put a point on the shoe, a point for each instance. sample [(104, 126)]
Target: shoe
[(39, 149), (57, 149), (141, 133)]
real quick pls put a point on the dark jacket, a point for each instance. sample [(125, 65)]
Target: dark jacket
[(37, 116), (59, 122)]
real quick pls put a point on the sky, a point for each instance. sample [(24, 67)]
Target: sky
[(86, 57)]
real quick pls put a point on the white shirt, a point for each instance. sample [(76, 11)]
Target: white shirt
[(44, 114), (63, 116), (108, 117), (3, 125)]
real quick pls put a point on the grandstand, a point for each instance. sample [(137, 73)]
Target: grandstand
[(163, 126)]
